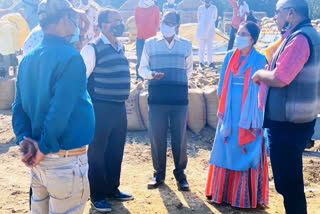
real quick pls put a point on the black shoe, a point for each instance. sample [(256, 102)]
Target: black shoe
[(154, 183), (183, 185), (120, 196), (212, 65), (202, 65)]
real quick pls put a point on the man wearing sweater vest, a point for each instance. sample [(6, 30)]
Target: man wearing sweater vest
[(290, 89), (167, 62), (109, 87)]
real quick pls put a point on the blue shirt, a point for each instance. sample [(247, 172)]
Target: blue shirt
[(52, 104)]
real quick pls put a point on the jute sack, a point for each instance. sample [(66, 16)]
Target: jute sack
[(7, 93), (196, 110), (212, 103), (134, 118), (143, 104)]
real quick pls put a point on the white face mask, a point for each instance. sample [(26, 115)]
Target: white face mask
[(167, 31), (241, 42)]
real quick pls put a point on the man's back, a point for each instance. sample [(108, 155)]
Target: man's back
[(51, 87)]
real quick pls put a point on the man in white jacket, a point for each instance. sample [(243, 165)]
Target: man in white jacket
[(207, 16)]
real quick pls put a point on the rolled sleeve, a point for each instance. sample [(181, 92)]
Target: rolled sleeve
[(293, 58)]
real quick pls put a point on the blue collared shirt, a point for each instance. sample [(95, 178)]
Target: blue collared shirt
[(52, 104)]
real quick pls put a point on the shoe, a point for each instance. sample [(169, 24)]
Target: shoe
[(120, 196), (154, 183), (212, 65), (101, 206), (183, 185), (202, 65)]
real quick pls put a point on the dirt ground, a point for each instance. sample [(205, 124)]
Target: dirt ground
[(137, 170)]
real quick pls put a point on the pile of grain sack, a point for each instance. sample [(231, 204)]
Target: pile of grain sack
[(202, 108)]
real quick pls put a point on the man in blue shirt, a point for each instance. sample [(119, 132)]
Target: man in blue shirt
[(53, 111)]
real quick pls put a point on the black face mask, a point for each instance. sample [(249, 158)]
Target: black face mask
[(117, 30)]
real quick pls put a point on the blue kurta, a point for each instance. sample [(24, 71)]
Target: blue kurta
[(230, 155)]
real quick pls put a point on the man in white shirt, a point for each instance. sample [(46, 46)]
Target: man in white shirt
[(167, 62), (207, 16)]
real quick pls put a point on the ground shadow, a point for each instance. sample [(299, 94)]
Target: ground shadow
[(174, 205), (4, 146)]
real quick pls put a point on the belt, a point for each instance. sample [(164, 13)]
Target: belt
[(71, 152)]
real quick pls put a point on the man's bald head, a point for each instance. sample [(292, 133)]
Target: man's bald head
[(300, 6)]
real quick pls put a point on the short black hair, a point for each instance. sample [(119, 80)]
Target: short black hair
[(175, 13), (253, 30), (103, 16), (44, 23)]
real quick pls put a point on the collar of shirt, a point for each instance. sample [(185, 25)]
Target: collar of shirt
[(50, 38), (106, 41), (288, 32), (170, 46)]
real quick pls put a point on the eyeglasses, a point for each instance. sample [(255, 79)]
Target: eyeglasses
[(281, 9), (243, 34)]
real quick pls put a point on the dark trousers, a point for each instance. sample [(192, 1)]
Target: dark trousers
[(287, 143), (160, 116), (106, 150), (232, 38), (139, 49)]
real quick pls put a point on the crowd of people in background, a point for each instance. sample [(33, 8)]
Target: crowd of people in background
[(74, 79)]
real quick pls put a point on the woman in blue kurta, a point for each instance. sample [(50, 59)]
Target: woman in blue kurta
[(238, 172)]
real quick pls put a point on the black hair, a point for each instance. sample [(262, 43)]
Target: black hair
[(103, 16), (253, 30), (173, 12), (50, 19)]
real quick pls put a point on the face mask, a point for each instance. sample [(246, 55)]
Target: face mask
[(241, 42), (76, 35), (167, 31), (117, 30), (171, 1)]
